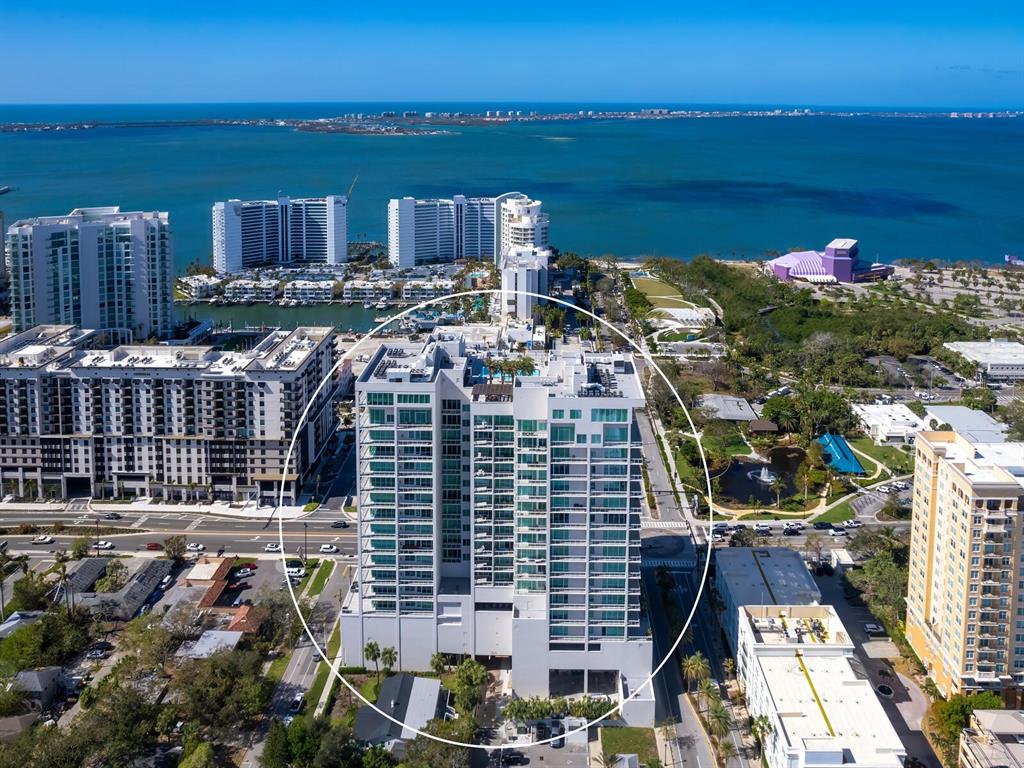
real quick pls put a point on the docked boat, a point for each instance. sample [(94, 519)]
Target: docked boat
[(383, 304)]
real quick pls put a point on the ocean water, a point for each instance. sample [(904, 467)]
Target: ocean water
[(905, 187)]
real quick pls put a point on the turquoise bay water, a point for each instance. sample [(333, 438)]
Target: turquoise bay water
[(905, 187)]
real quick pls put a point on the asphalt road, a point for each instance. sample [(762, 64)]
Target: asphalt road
[(236, 536)]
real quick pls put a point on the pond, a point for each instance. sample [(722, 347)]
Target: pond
[(746, 478)]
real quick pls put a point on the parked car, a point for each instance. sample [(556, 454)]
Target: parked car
[(96, 654), (328, 548), (195, 546), (104, 544), (154, 546), (298, 702), (244, 572), (514, 757), (42, 539), (238, 585), (559, 733), (294, 572), (272, 547), (339, 524), (166, 581), (874, 630), (884, 489)]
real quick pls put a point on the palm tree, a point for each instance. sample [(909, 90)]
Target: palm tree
[(695, 668), (388, 659), (707, 690), (62, 565), (607, 759), (776, 485), (719, 719), (727, 750), (438, 663), (761, 727), (371, 652), (729, 666), (5, 560)]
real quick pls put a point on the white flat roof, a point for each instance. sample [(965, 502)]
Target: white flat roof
[(827, 704), (990, 352), (976, 426)]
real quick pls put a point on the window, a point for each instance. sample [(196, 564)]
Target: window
[(380, 398), (558, 413), (609, 414), (575, 414), (415, 399)]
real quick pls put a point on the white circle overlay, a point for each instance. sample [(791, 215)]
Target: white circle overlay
[(280, 523)]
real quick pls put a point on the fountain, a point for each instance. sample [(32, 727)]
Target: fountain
[(764, 477)]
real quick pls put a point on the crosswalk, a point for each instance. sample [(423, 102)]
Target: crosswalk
[(649, 523)]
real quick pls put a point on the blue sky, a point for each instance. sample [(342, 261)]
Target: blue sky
[(896, 53)]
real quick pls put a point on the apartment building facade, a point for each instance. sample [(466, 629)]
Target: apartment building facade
[(965, 605), (281, 232), (425, 231), (163, 421), (524, 271), (502, 519), (99, 268)]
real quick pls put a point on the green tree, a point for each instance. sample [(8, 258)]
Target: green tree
[(1013, 415), (607, 759), (719, 719), (979, 398), (438, 663), (339, 750), (696, 668), (13, 699), (276, 753), (388, 659), (761, 728), (114, 577), (222, 691), (707, 691), (423, 752), (954, 714), (371, 652), (470, 677), (377, 757), (201, 757), (80, 548), (174, 547)]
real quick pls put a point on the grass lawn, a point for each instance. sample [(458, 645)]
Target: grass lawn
[(311, 564), (837, 514), (892, 457), (323, 573), (277, 667), (775, 516), (630, 741), (654, 288)]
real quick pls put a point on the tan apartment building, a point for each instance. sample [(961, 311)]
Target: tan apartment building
[(965, 602)]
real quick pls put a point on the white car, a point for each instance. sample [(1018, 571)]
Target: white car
[(104, 544), (884, 489), (43, 539), (853, 524), (295, 572), (194, 546), (272, 547), (837, 532), (762, 529), (329, 549)]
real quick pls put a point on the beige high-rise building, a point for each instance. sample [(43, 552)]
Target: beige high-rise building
[(965, 601)]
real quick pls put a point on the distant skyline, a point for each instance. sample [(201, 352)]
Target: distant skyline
[(902, 54)]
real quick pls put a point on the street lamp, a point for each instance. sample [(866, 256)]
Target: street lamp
[(305, 542)]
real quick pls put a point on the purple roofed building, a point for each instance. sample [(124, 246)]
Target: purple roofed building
[(838, 263)]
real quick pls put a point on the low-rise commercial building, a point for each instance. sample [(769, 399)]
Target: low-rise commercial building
[(760, 576), (798, 669), (893, 424), (995, 360), (994, 739), (172, 422)]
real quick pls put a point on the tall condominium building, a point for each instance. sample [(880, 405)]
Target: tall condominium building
[(258, 233), (171, 421), (521, 223), (100, 268), (502, 519), (965, 604), (523, 268), (446, 229)]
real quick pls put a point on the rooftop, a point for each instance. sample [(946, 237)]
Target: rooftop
[(211, 641), (765, 576), (976, 426), (728, 408), (102, 214), (982, 463), (796, 625), (998, 352), (411, 700), (889, 418), (996, 738), (827, 704)]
